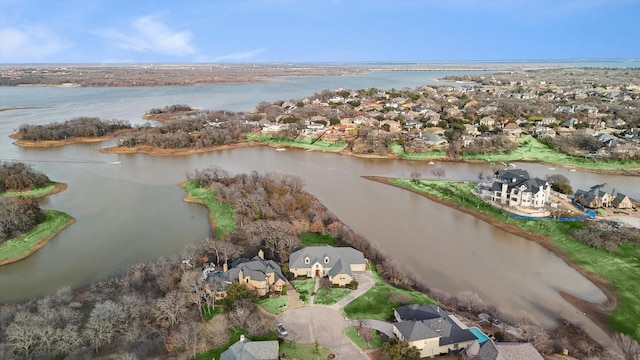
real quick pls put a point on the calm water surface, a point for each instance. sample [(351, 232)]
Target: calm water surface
[(133, 212)]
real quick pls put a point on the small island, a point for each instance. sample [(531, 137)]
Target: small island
[(25, 226)]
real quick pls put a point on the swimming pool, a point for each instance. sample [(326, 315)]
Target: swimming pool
[(482, 337)]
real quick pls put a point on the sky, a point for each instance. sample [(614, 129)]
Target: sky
[(310, 31)]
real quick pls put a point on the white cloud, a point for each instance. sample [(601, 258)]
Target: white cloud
[(32, 44), (150, 35)]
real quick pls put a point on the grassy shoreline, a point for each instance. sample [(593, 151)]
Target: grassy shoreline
[(301, 142), (26, 244), (603, 268), (220, 214), (49, 188)]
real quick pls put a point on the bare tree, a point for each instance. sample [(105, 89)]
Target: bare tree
[(169, 310), (105, 321), (538, 338), (415, 176), (627, 346), (438, 172), (241, 311), (470, 301), (216, 332), (193, 285)]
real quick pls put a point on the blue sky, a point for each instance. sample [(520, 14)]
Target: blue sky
[(246, 31)]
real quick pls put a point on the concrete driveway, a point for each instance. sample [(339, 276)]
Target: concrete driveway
[(365, 282), (307, 324)]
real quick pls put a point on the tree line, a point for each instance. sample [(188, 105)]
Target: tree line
[(17, 216), (76, 127), (18, 176)]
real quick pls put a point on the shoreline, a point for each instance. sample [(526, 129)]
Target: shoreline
[(57, 188), (598, 313), (155, 151), (190, 199), (40, 243)]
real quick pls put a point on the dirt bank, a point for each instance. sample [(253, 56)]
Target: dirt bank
[(598, 313), (56, 143)]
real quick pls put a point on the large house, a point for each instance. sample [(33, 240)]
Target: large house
[(602, 195), (514, 187), (245, 349), (431, 329), (337, 263), (262, 276), (490, 350)]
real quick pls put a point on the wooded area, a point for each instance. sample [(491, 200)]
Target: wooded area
[(17, 176), (76, 127), (17, 216)]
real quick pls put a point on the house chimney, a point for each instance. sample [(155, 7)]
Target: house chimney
[(261, 254), (225, 267)]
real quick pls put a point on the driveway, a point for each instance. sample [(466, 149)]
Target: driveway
[(365, 282), (307, 324)]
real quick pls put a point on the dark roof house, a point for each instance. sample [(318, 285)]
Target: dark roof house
[(245, 349)]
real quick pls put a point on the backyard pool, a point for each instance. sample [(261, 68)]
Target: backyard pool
[(482, 337)]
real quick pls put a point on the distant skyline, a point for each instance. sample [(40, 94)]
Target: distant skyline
[(303, 31)]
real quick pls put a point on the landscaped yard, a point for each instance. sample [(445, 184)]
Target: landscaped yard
[(352, 333), (221, 213), (303, 142), (290, 350), (376, 303), (20, 246), (312, 238), (276, 304), (330, 296), (304, 288), (429, 154), (621, 267)]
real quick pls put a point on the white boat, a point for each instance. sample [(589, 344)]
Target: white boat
[(431, 163), (572, 169), (552, 168), (280, 149)]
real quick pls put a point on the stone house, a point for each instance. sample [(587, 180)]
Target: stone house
[(337, 263)]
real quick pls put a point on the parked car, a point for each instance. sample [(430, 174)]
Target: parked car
[(282, 331)]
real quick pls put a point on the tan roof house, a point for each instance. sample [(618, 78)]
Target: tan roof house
[(337, 263), (262, 276), (512, 129)]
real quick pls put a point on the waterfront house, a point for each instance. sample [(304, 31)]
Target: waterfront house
[(337, 263), (602, 196), (431, 330), (514, 187)]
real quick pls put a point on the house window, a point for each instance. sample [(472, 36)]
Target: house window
[(247, 279), (306, 260), (326, 259)]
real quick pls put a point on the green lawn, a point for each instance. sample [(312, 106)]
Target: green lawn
[(304, 288), (429, 154), (235, 337), (533, 150), (222, 213), (620, 267), (18, 247), (290, 350), (311, 239), (330, 296), (38, 192), (375, 303), (354, 336), (208, 312), (300, 142), (275, 305)]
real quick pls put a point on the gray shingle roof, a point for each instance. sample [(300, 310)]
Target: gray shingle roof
[(346, 255), (256, 269), (252, 350), (417, 312), (433, 323)]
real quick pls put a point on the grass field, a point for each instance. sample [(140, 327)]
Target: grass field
[(354, 336), (291, 350), (620, 267), (300, 142), (375, 303), (221, 213), (304, 288), (22, 245), (38, 192), (275, 305), (531, 149), (311, 239), (330, 296)]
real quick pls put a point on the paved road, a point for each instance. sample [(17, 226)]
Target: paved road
[(307, 324)]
